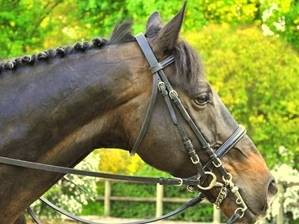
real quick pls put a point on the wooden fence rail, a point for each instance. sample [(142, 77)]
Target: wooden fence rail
[(159, 200)]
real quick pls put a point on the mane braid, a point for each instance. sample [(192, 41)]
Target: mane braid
[(46, 55), (121, 34)]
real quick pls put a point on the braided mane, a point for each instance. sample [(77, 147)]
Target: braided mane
[(120, 34), (61, 52)]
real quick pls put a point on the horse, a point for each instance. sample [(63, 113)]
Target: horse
[(58, 105)]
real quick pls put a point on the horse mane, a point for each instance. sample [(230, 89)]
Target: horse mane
[(121, 34), (188, 66)]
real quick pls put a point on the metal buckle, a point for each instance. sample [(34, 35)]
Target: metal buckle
[(173, 94), (196, 160), (212, 184), (217, 163), (162, 88)]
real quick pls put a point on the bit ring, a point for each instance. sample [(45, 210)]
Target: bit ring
[(212, 184)]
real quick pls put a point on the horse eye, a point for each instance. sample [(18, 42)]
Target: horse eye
[(202, 99)]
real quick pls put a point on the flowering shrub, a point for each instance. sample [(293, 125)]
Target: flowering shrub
[(72, 192), (290, 198), (118, 161), (281, 18)]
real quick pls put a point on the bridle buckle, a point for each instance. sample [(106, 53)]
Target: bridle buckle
[(217, 162), (195, 160)]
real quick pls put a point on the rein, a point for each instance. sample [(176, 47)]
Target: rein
[(161, 85)]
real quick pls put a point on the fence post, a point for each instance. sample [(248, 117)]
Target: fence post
[(216, 215), (159, 199), (107, 202), (281, 200)]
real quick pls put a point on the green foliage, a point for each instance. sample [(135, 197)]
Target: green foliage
[(281, 17), (234, 11), (147, 209), (30, 25), (72, 192), (257, 78)]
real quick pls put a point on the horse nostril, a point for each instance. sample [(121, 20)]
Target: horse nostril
[(272, 188)]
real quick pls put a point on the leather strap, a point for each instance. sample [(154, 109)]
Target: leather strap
[(228, 144), (233, 219), (231, 142), (185, 206), (147, 117), (66, 170), (157, 70), (33, 216), (155, 67)]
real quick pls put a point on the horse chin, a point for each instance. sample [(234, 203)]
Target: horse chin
[(228, 207), (249, 217)]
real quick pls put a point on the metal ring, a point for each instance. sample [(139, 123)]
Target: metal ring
[(196, 160), (229, 180), (212, 184), (180, 181), (240, 212)]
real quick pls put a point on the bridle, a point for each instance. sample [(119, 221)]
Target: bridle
[(172, 100), (204, 171)]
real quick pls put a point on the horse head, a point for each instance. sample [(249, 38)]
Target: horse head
[(163, 145)]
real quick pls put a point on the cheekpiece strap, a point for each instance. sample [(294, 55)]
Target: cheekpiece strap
[(155, 66)]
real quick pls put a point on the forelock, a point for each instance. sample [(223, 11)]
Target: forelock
[(189, 69)]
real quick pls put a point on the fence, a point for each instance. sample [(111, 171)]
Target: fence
[(282, 186), (159, 200)]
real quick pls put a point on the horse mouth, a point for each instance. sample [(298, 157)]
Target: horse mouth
[(251, 216)]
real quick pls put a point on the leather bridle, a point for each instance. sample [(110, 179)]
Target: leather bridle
[(172, 100), (203, 181)]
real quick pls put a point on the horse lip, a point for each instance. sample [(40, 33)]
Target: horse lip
[(252, 215)]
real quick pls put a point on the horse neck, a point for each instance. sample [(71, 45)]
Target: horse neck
[(48, 103), (58, 113)]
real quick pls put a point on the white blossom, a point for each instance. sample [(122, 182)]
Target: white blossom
[(267, 31)]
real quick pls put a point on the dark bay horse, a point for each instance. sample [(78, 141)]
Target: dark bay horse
[(59, 105)]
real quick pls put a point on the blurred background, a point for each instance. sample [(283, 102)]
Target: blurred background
[(250, 52)]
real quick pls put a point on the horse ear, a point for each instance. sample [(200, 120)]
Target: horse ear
[(169, 34), (154, 24)]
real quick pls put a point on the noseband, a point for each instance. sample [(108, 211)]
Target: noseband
[(205, 172), (203, 181)]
